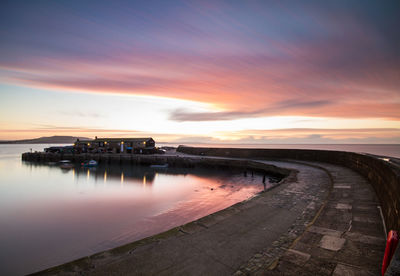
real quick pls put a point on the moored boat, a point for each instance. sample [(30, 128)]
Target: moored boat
[(159, 166), (65, 164), (91, 163)]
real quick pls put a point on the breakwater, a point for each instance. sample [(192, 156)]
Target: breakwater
[(384, 176), (381, 173)]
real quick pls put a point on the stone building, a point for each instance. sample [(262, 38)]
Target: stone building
[(116, 145)]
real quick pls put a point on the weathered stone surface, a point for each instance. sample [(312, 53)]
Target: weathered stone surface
[(296, 257), (367, 219), (364, 238), (394, 268), (345, 270), (342, 187), (332, 243), (343, 206), (345, 243), (325, 231)]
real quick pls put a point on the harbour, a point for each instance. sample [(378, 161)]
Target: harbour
[(104, 206)]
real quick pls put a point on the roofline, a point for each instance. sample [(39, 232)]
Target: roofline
[(116, 139), (124, 139)]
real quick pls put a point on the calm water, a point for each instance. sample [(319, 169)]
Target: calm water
[(49, 216)]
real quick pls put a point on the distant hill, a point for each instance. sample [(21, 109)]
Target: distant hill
[(46, 140)]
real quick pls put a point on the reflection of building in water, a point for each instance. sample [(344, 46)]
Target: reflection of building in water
[(120, 173)]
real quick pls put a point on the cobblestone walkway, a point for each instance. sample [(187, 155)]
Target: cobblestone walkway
[(346, 239)]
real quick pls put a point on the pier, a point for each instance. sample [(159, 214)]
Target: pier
[(323, 219)]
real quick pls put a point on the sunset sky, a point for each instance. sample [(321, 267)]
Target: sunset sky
[(202, 71)]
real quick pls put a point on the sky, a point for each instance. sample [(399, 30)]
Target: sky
[(202, 71)]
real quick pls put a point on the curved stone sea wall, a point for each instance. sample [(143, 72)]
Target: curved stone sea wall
[(383, 175)]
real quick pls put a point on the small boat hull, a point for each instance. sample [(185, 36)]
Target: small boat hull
[(66, 164), (91, 163), (159, 166)]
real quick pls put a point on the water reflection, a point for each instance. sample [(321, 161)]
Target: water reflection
[(87, 210), (124, 174), (133, 174), (128, 174)]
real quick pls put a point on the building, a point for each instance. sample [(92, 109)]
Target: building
[(65, 149), (116, 145)]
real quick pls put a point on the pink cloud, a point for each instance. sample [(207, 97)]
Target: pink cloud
[(346, 71)]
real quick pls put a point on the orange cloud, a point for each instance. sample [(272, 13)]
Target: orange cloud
[(255, 86)]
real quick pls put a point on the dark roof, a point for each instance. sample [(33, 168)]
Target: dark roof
[(140, 140), (84, 141), (123, 139)]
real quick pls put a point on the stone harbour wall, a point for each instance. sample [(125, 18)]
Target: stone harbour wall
[(380, 172), (383, 175)]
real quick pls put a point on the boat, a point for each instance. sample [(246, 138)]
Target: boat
[(65, 164), (159, 166), (91, 163)]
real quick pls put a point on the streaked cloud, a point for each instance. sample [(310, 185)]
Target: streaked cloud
[(322, 132), (278, 108), (301, 136), (236, 62), (252, 56)]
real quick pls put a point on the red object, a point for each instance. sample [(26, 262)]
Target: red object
[(391, 244)]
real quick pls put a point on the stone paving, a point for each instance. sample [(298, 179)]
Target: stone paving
[(346, 239), (323, 220)]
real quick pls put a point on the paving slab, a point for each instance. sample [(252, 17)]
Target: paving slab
[(346, 270), (342, 187), (332, 243), (343, 206)]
